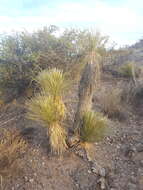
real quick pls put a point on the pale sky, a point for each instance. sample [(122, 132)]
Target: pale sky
[(122, 20)]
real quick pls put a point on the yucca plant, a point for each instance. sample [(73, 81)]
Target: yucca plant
[(45, 109), (94, 127), (52, 81), (48, 108), (50, 113)]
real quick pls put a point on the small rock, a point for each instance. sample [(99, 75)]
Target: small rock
[(139, 147), (132, 186), (102, 172), (26, 178), (35, 174), (102, 182), (94, 170), (31, 180), (80, 153), (128, 150), (77, 184), (89, 171), (133, 179)]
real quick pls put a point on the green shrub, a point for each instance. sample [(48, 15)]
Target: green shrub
[(14, 79), (94, 127), (22, 52)]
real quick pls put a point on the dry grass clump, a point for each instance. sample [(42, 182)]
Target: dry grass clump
[(110, 100), (49, 109), (94, 127), (12, 147)]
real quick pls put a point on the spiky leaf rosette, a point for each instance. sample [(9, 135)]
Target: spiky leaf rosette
[(52, 81), (46, 109), (94, 127), (57, 136)]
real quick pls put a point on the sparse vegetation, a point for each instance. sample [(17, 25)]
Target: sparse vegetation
[(60, 60)]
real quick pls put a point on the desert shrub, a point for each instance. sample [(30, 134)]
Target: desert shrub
[(110, 100), (14, 79), (22, 52), (48, 107), (94, 127), (12, 148)]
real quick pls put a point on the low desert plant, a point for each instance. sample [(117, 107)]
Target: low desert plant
[(110, 100), (93, 128), (12, 147)]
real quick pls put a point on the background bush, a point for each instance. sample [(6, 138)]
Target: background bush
[(23, 54)]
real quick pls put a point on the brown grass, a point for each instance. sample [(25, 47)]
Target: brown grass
[(12, 147), (110, 100)]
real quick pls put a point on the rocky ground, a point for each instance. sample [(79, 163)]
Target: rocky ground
[(116, 163)]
